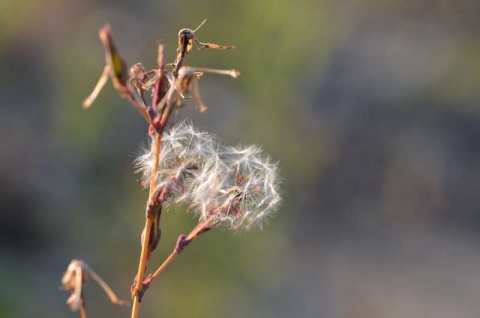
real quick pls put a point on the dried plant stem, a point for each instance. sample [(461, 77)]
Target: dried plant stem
[(153, 181), (83, 312), (164, 265), (142, 264), (232, 73), (131, 85), (141, 267), (131, 96), (159, 126), (100, 84), (113, 297), (201, 227)]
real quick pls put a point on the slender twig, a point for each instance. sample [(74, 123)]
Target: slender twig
[(141, 267), (100, 84), (182, 242), (131, 97), (150, 218), (158, 89), (110, 293), (142, 264), (233, 73), (73, 279), (168, 106), (153, 180), (83, 312), (118, 70)]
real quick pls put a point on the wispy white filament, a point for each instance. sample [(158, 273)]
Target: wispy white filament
[(236, 186)]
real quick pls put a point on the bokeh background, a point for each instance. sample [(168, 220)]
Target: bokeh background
[(371, 108)]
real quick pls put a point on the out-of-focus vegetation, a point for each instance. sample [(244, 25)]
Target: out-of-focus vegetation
[(371, 107)]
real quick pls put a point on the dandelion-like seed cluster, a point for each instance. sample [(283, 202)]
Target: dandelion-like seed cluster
[(232, 186)]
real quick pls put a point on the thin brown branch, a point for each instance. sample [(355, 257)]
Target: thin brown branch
[(158, 91), (128, 93), (213, 46), (83, 312), (141, 267), (100, 84), (168, 107), (118, 67), (201, 227), (151, 219), (110, 293), (149, 222), (233, 73)]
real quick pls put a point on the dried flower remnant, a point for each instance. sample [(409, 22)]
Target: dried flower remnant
[(232, 186), (76, 274), (116, 68), (186, 38), (250, 190), (72, 281), (187, 82), (142, 80)]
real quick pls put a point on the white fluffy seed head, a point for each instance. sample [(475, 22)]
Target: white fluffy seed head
[(233, 186), (252, 185), (184, 154)]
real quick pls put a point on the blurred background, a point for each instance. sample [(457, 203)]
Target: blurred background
[(371, 108)]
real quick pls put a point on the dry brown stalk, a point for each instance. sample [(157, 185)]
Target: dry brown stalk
[(131, 85)]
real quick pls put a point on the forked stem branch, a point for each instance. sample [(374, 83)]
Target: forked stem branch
[(182, 242)]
